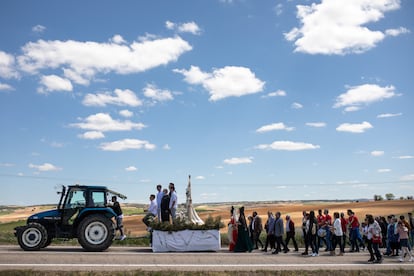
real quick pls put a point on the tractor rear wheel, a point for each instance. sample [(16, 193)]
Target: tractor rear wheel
[(96, 232), (32, 237)]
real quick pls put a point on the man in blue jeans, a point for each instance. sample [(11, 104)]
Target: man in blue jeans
[(328, 223)]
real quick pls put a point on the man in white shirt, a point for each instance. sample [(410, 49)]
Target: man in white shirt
[(160, 194), (151, 212), (173, 201)]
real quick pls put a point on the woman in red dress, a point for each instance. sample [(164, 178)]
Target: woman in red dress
[(232, 232)]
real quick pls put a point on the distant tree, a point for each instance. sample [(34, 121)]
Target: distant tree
[(389, 196), (410, 197), (378, 197), (401, 198)]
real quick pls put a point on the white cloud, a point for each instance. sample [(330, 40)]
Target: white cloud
[(278, 9), (354, 128), (86, 59), (363, 95), (166, 147), (45, 167), (200, 177), (340, 27), (316, 124), (7, 66), (287, 145), (92, 135), (275, 126), (126, 113), (103, 122), (118, 39), (384, 170), (389, 115), (397, 32), (151, 91), (119, 97), (409, 177), (5, 87), (297, 106), (377, 153), (189, 27), (405, 157), (170, 25), (131, 169), (127, 144), (229, 81), (38, 29), (238, 160), (52, 83), (278, 93)]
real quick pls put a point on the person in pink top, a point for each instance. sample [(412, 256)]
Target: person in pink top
[(402, 230)]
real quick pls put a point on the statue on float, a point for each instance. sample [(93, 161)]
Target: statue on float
[(191, 213)]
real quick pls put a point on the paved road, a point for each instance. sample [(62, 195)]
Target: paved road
[(65, 258)]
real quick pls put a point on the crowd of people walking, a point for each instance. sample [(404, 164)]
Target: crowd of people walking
[(380, 236)]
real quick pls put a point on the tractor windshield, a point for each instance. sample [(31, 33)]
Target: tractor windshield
[(76, 198)]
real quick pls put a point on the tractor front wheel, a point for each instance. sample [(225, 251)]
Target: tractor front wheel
[(32, 237), (96, 232)]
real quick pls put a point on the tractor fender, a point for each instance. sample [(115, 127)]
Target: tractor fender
[(107, 212)]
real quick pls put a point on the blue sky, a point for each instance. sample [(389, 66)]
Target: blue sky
[(268, 100)]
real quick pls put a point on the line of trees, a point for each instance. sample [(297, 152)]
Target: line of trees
[(390, 196)]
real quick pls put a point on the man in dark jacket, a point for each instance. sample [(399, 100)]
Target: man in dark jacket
[(257, 229), (165, 207), (279, 231), (290, 233)]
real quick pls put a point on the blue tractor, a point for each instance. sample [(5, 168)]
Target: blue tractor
[(83, 213)]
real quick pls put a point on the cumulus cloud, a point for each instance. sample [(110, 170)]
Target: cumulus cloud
[(118, 97), (316, 124), (92, 135), (5, 87), (126, 113), (229, 81), (189, 27), (365, 94), (151, 91), (103, 122), (45, 167), (7, 66), (278, 93), (340, 27), (238, 160), (118, 39), (131, 169), (275, 126), (38, 29), (389, 115), (287, 145), (297, 106), (397, 32), (81, 61), (54, 83), (354, 128), (377, 153), (127, 144), (384, 170)]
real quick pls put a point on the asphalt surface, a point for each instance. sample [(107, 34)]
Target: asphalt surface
[(69, 258)]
